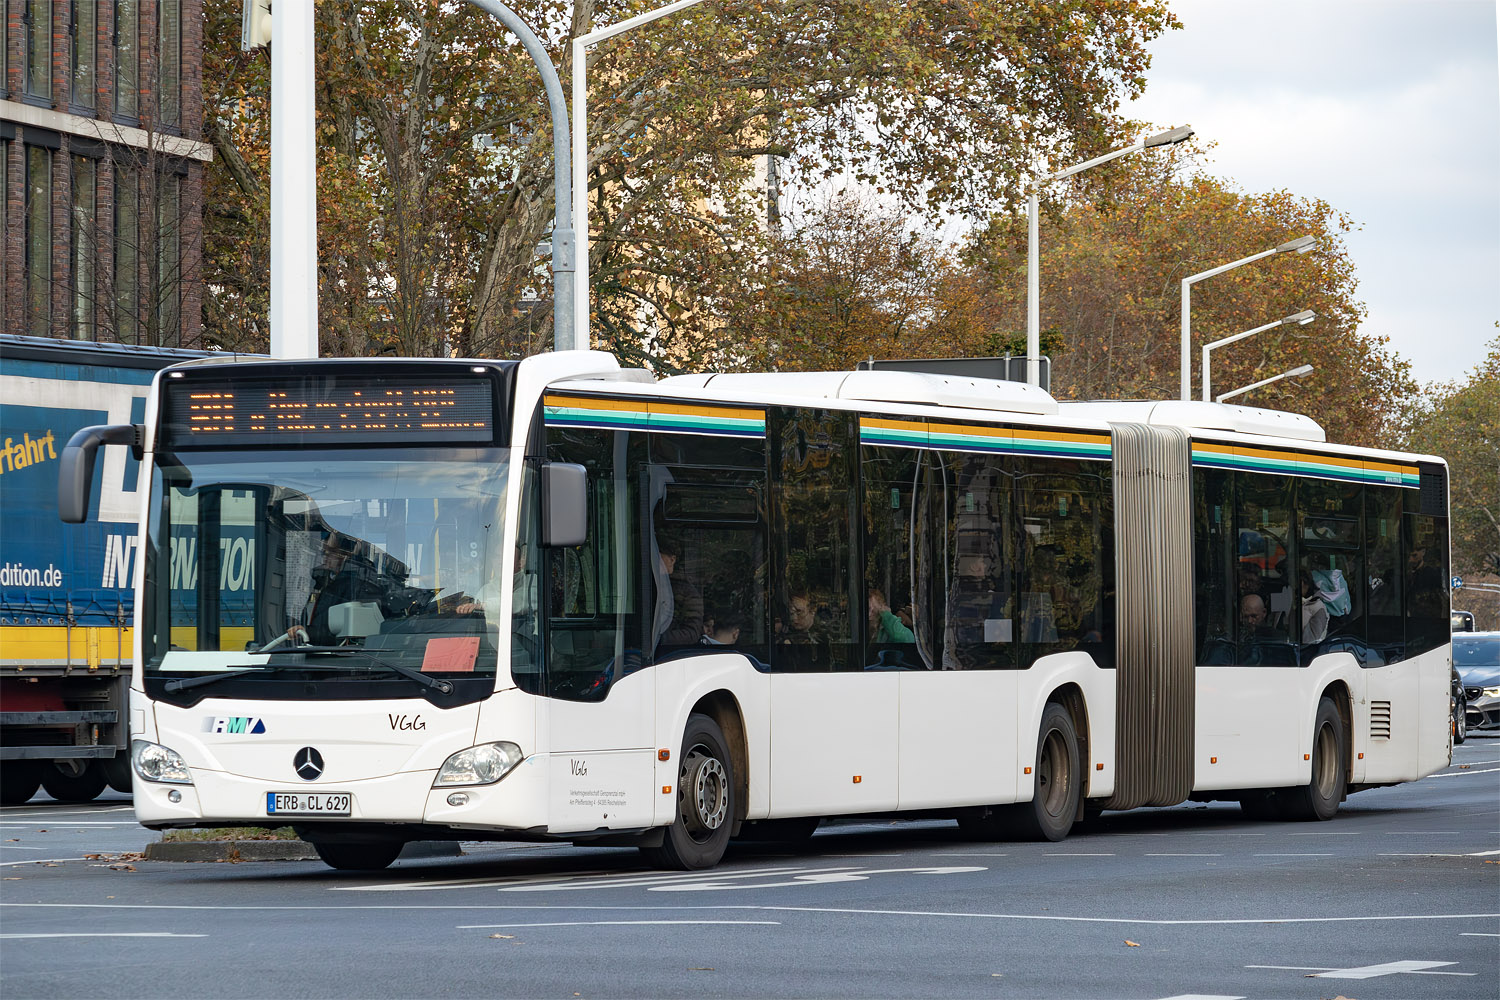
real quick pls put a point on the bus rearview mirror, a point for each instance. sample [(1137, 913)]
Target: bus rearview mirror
[(565, 505), (75, 469)]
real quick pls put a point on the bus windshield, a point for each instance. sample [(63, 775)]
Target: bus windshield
[(370, 563)]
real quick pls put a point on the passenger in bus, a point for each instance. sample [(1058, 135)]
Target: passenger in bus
[(803, 631), (723, 630), (679, 603), (885, 625), (1314, 613)]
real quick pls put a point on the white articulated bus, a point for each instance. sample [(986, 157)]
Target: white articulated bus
[(387, 600)]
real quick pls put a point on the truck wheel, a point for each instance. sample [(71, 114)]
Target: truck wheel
[(117, 771), (72, 780), (1059, 779), (19, 780), (359, 857), (705, 801)]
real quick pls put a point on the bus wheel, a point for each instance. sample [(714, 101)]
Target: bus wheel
[(705, 801), (19, 780), (1054, 800), (73, 780), (1319, 799), (359, 857)]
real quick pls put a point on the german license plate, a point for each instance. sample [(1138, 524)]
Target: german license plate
[(308, 803)]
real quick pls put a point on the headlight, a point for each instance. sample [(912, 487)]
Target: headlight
[(154, 762), (481, 765), (1492, 692)]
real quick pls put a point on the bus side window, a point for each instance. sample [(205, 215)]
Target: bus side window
[(594, 623), (1385, 579), (813, 509)]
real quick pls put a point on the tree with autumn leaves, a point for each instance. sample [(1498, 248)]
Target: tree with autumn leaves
[(1114, 251), (435, 169), (1461, 422)]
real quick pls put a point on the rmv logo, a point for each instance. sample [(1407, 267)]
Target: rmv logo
[(235, 725)]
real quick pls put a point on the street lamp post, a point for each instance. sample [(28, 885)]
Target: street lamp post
[(1302, 318), (1301, 370), (1301, 244), (564, 334), (1033, 268), (581, 46)]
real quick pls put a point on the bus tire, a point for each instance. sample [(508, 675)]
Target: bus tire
[(19, 780), (73, 780), (1319, 799), (706, 803), (1058, 778), (358, 857)]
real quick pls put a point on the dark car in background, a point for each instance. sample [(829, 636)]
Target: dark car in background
[(1476, 657)]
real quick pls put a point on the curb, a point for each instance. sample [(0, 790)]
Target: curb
[(276, 850)]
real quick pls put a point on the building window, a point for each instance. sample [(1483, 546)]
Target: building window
[(169, 61), (38, 259), (127, 57), (168, 260), (36, 23), (127, 218), (84, 247), (84, 42)]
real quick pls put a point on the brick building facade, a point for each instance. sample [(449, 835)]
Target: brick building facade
[(101, 165)]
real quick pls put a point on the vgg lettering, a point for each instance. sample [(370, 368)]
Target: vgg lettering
[(406, 722)]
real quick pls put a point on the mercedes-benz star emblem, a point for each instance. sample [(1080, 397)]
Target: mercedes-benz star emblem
[(309, 764)]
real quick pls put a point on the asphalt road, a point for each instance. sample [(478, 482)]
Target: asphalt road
[(1398, 896)]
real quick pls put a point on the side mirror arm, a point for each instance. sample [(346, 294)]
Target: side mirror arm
[(75, 470)]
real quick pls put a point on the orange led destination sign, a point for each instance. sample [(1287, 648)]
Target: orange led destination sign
[(335, 409)]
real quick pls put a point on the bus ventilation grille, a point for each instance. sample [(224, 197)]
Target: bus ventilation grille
[(1380, 720)]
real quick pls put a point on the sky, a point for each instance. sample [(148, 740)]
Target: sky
[(1389, 110)]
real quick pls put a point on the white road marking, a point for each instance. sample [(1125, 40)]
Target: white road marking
[(1293, 855), (969, 854), (1184, 855), (580, 880), (1369, 971), (1330, 833), (754, 909), (133, 934), (620, 923), (816, 878), (1065, 854), (1430, 854), (62, 824), (1462, 774), (1129, 920), (1202, 996), (18, 847), (1476, 934), (42, 809), (38, 861)]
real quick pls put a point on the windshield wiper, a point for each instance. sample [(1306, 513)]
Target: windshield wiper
[(183, 683), (443, 687)]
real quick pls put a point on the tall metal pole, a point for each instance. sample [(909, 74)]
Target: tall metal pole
[(294, 188), (1301, 244), (563, 248), (1033, 295), (1301, 370), (1033, 278), (580, 70)]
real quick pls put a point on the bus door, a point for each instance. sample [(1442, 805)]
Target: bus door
[(600, 704)]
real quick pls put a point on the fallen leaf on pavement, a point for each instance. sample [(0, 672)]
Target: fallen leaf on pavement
[(1131, 943), (122, 868), (505, 936)]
